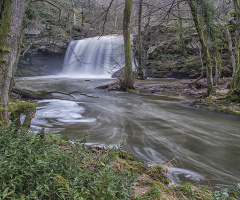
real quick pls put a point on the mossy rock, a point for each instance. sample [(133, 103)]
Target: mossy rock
[(22, 107)]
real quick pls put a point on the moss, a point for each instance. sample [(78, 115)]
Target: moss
[(176, 48), (138, 168), (221, 104), (2, 122), (125, 156), (39, 92), (135, 167), (3, 50), (4, 30), (25, 108), (193, 64), (132, 90), (188, 191)]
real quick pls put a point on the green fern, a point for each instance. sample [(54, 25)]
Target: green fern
[(65, 191)]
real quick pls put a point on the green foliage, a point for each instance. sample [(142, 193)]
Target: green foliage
[(231, 27), (235, 193), (132, 90), (187, 191), (231, 13), (193, 64), (33, 167), (32, 12), (158, 167), (152, 194), (208, 13), (166, 57)]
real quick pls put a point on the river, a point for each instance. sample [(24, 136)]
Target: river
[(199, 146)]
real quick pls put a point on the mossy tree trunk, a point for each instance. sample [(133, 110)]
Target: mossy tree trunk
[(218, 62), (213, 32), (140, 48), (235, 84), (204, 46), (230, 49), (11, 15), (237, 34), (180, 16), (128, 75)]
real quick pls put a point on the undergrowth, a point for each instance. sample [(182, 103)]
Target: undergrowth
[(39, 166), (51, 167)]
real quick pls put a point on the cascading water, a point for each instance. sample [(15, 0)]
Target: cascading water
[(98, 56)]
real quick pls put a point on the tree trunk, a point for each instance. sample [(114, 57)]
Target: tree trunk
[(208, 12), (74, 14), (237, 35), (204, 46), (230, 49), (184, 52), (235, 84), (218, 71), (140, 49), (128, 76), (11, 15)]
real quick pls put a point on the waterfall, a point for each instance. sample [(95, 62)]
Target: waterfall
[(98, 56)]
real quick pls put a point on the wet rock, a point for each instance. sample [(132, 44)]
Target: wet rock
[(110, 87), (41, 57), (118, 74)]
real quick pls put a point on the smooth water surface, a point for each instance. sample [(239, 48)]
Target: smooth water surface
[(203, 146)]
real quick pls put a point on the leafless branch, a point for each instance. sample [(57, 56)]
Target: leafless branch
[(70, 94)]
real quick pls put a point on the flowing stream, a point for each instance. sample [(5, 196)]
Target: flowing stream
[(202, 146), (197, 145)]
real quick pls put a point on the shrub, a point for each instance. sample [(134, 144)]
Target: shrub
[(51, 167)]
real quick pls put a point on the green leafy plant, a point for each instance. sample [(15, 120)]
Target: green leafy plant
[(51, 167)]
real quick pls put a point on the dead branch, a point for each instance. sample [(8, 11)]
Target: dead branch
[(27, 49), (70, 94), (47, 95), (74, 53)]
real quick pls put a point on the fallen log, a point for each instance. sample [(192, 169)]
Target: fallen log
[(42, 94), (28, 94)]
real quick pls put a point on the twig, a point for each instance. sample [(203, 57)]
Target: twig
[(27, 49), (106, 16), (74, 52), (70, 94)]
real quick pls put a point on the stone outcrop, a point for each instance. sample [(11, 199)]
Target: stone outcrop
[(163, 56), (41, 57)]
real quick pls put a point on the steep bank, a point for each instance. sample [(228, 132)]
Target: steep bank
[(164, 57), (41, 57)]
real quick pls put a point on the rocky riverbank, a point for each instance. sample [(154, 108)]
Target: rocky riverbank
[(198, 91), (187, 88)]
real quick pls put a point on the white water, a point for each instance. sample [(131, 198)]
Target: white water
[(94, 57)]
